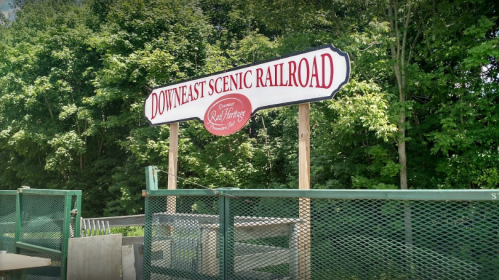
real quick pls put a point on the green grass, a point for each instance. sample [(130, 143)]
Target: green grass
[(129, 231), (125, 231)]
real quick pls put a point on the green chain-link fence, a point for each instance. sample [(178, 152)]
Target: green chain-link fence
[(39, 223), (8, 220), (321, 234)]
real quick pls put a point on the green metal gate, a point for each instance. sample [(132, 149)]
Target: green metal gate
[(321, 234), (39, 223)]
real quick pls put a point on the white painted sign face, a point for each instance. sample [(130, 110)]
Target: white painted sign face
[(225, 101)]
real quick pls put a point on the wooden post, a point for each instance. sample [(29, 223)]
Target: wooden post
[(172, 167), (304, 146), (304, 184)]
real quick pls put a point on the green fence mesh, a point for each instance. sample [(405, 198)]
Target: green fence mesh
[(182, 238), (42, 220), (258, 237), (8, 220), (46, 222), (383, 239), (52, 272), (47, 219), (265, 239)]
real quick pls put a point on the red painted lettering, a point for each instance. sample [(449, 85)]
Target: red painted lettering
[(268, 78), (324, 71), (233, 81), (281, 84), (177, 98), (169, 99), (184, 94), (259, 74), (210, 84), (292, 71), (300, 73), (196, 90), (191, 97), (216, 87), (161, 97), (226, 83), (245, 79), (275, 74), (154, 97), (240, 79), (314, 74), (202, 88)]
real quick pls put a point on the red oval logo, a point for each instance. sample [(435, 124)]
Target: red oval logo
[(228, 114)]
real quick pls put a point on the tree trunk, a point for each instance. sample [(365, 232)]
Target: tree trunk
[(402, 152), (398, 50)]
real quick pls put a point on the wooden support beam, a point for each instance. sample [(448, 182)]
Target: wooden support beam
[(304, 146), (173, 156), (172, 167), (304, 260)]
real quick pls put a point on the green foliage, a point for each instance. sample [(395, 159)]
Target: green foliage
[(74, 76), (128, 231)]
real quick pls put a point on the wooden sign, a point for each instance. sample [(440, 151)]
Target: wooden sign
[(225, 101)]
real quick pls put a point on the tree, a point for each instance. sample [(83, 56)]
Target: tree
[(419, 110)]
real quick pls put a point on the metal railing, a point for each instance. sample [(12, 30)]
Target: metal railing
[(321, 234), (40, 224), (103, 225)]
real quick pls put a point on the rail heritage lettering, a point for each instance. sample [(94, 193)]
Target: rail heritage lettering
[(228, 114)]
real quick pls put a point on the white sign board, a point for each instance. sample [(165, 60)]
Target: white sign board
[(224, 101)]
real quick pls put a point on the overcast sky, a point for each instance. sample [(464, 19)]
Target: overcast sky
[(4, 6)]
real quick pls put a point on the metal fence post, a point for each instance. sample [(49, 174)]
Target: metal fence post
[(227, 235), (151, 185), (27, 223), (147, 237), (18, 220), (78, 216), (151, 178), (67, 222)]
